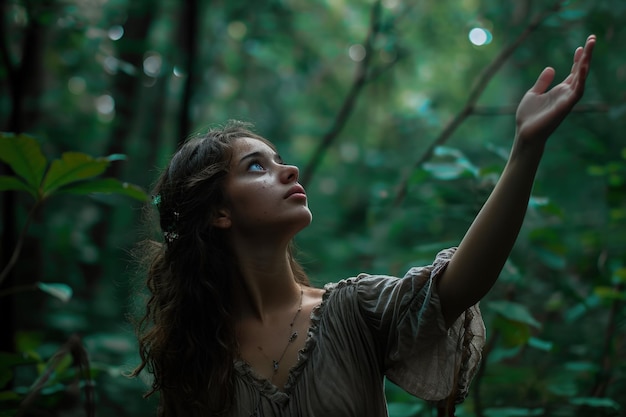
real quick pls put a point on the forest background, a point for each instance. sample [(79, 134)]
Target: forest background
[(400, 115)]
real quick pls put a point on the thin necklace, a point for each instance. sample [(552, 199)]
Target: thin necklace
[(293, 335)]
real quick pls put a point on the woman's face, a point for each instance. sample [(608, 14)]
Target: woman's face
[(263, 193)]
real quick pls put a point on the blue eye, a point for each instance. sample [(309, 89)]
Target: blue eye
[(255, 166)]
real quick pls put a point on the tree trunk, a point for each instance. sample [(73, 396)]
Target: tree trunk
[(25, 84)]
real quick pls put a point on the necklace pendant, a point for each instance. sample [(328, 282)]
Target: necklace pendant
[(275, 365)]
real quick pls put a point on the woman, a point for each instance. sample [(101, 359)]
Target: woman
[(232, 326)]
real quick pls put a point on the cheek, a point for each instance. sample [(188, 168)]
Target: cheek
[(252, 201)]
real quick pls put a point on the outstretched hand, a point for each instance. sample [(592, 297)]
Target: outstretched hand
[(540, 111)]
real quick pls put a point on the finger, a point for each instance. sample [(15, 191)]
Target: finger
[(588, 51), (577, 55), (543, 81), (582, 59), (575, 65)]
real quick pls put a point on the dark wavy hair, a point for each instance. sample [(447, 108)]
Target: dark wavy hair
[(186, 336)]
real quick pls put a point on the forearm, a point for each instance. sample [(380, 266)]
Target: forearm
[(487, 244)]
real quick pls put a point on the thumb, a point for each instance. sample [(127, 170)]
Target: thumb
[(543, 82)]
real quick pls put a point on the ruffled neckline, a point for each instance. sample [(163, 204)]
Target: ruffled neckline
[(265, 386)]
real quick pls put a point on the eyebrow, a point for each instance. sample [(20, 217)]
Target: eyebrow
[(257, 154)]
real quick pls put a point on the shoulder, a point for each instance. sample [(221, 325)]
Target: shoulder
[(312, 297)]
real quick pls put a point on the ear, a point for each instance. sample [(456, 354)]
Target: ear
[(222, 219)]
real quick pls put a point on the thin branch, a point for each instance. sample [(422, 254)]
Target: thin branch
[(19, 289), (478, 378), (360, 80), (18, 246), (604, 375), (381, 69), (483, 80), (75, 348)]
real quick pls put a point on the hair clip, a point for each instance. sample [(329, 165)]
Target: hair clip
[(171, 234)]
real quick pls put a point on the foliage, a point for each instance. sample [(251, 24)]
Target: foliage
[(73, 173), (401, 127)]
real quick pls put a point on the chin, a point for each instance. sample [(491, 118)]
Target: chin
[(305, 221)]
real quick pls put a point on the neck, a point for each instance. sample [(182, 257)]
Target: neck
[(266, 283)]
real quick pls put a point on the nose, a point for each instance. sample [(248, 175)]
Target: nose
[(289, 173)]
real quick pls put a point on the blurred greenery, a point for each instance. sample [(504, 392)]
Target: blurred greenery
[(401, 123)]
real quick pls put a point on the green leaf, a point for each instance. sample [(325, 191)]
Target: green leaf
[(23, 154), (595, 402), (5, 377), (540, 344), (72, 167), (28, 342), (570, 14), (8, 182), (609, 293), (551, 259), (62, 370), (115, 157), (450, 164), (562, 384), (61, 291), (596, 170), (513, 412), (9, 396), (106, 186), (514, 311), (619, 276), (500, 353), (512, 333), (404, 409), (580, 309), (536, 201), (581, 366), (10, 360)]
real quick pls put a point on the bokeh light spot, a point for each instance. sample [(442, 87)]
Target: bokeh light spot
[(237, 30), (115, 33), (480, 36), (76, 85), (152, 65), (105, 104), (178, 72), (357, 52)]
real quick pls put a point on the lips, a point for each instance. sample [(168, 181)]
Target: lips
[(296, 189)]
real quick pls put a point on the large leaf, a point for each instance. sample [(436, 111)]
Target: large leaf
[(23, 154), (514, 312), (8, 182), (106, 186), (72, 167)]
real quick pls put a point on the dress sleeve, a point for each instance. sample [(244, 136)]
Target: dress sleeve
[(419, 353)]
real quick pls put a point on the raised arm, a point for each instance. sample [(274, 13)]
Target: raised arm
[(476, 265)]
